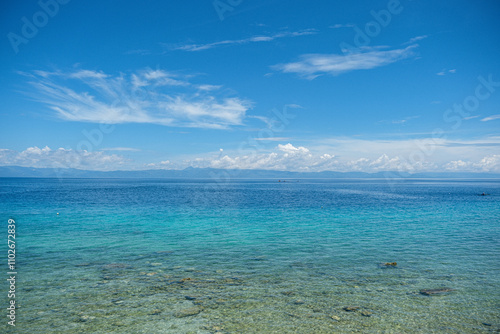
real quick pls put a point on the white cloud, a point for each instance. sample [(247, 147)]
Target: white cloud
[(345, 155), (338, 25), (348, 154), (253, 39), (302, 159), (289, 148), (437, 150), (444, 72), (489, 164), (207, 113), (61, 158), (404, 120), (147, 96), (86, 74), (491, 118), (415, 39), (293, 105), (426, 154), (384, 163), (314, 65), (209, 87), (290, 158), (161, 78)]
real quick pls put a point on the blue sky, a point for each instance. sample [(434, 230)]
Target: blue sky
[(365, 86)]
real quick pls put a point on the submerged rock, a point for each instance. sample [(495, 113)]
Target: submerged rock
[(436, 292), (288, 293), (351, 308), (386, 265), (366, 313), (85, 264), (217, 329), (85, 318), (188, 312)]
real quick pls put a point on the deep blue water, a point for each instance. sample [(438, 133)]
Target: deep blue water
[(256, 256)]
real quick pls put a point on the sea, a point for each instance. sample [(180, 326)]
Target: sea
[(250, 256)]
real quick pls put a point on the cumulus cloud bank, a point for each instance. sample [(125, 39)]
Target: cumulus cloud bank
[(487, 164), (285, 157), (299, 158), (61, 158)]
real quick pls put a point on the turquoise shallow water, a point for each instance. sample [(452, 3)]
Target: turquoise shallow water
[(163, 256)]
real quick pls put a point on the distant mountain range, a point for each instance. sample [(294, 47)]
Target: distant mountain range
[(224, 174)]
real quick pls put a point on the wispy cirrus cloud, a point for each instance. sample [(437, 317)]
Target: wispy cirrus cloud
[(491, 118), (404, 120), (253, 39), (415, 39), (311, 66), (145, 96), (445, 72), (339, 25)]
